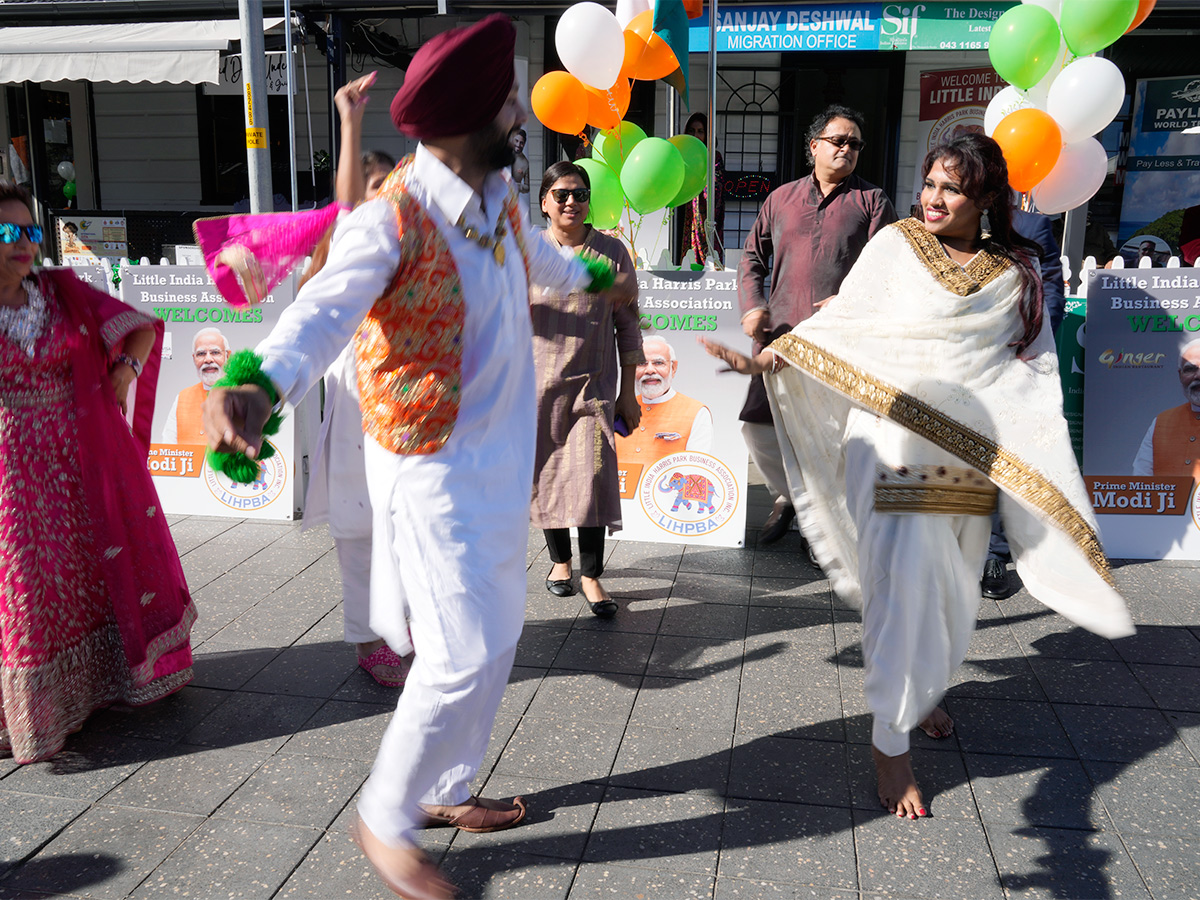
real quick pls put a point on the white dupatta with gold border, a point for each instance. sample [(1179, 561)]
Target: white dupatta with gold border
[(919, 340)]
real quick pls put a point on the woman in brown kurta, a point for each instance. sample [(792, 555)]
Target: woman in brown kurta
[(578, 341)]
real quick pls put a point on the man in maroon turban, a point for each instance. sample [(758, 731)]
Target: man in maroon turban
[(436, 271)]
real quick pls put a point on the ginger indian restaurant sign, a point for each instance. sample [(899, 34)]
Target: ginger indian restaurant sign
[(850, 26)]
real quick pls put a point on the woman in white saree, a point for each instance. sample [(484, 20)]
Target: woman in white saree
[(921, 395)]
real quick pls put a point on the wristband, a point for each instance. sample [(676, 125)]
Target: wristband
[(242, 368), (132, 361)]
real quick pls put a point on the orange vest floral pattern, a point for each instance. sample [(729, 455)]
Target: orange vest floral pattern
[(409, 347)]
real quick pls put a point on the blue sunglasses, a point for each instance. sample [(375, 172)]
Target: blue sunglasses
[(10, 233)]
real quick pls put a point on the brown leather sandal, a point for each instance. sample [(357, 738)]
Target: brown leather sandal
[(480, 819)]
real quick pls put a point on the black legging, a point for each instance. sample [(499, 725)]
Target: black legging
[(591, 548)]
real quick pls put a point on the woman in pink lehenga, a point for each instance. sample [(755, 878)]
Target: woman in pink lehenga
[(94, 608)]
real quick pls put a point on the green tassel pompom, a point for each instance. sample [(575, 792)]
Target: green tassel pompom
[(602, 272), (245, 367)]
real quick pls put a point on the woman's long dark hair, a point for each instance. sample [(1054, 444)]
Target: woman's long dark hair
[(977, 162), (560, 169)]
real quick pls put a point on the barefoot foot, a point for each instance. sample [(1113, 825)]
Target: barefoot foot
[(898, 791), (405, 870), (937, 724)]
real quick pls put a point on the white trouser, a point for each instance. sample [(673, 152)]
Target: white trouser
[(763, 445), (354, 559), (456, 570), (920, 589)]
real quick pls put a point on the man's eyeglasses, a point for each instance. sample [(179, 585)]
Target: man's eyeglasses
[(581, 195), (10, 233), (840, 141)]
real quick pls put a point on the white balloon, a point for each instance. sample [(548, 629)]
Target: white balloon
[(627, 9), (1009, 100), (1075, 178), (1085, 97), (66, 170), (591, 44), (1054, 7)]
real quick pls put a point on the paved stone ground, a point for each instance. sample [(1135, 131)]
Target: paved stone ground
[(711, 741)]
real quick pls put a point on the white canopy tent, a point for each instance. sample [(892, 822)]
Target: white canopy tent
[(173, 52)]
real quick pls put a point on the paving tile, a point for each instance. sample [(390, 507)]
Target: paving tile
[(693, 657), (695, 618), (105, 853), (771, 768), (1053, 863), (783, 565), (791, 695), (1041, 632), (1152, 644), (625, 584), (167, 720), (1149, 799), (491, 873), (749, 889), (585, 696), (335, 867), (1187, 726), (672, 832), (788, 842), (806, 628), (941, 776), (637, 615), (328, 630), (1090, 681), (605, 652), (190, 779), (1018, 727), (716, 561), (28, 822), (710, 588), (1123, 734), (223, 666), (1049, 792), (247, 719), (645, 557), (673, 759), (941, 857), (296, 790), (539, 645), (232, 859), (1172, 687), (1005, 679), (709, 704), (608, 880), (812, 592), (306, 670), (545, 748), (343, 730), (546, 610), (87, 768), (560, 816), (1169, 864)]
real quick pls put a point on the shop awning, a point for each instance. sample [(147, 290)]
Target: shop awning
[(175, 52)]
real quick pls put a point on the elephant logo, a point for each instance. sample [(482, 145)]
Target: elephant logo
[(688, 488)]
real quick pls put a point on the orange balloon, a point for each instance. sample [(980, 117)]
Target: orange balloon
[(1031, 141), (560, 102), (654, 59), (606, 109), (1143, 10), (635, 48)]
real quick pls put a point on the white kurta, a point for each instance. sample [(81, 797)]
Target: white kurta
[(450, 528)]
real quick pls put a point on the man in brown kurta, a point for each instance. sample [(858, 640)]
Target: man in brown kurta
[(813, 230)]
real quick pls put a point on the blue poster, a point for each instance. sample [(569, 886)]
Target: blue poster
[(785, 29)]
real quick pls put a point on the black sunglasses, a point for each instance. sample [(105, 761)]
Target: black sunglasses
[(10, 233), (581, 195), (840, 140)]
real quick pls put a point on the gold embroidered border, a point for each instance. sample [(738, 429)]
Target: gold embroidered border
[(983, 268), (935, 500), (1005, 469)]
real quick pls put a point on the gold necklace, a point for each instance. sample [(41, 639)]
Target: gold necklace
[(494, 243)]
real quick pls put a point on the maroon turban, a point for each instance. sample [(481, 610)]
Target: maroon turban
[(458, 81)]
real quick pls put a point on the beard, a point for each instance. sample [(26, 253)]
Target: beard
[(654, 390), (492, 147)]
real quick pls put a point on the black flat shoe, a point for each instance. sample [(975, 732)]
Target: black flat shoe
[(603, 609), (562, 587)]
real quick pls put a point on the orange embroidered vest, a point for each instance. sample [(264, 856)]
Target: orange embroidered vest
[(675, 417), (1177, 442), (409, 347), (189, 416)]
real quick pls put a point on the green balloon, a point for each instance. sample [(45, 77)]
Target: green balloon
[(615, 145), (68, 189), (695, 167), (607, 203), (1024, 44), (1091, 25), (652, 174)]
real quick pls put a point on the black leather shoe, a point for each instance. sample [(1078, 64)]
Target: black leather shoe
[(994, 584), (777, 524), (561, 588)]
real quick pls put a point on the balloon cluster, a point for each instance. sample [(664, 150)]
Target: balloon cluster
[(1059, 95), (66, 171), (627, 167)]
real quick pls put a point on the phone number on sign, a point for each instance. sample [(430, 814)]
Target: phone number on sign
[(963, 45)]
